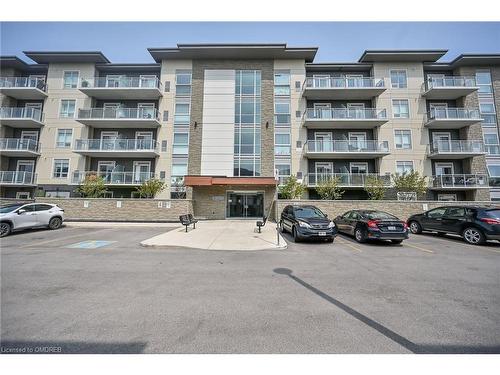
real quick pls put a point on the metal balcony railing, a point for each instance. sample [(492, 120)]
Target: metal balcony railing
[(457, 147), (23, 82), (343, 82), (17, 178), (345, 114), (116, 145), (453, 114), (17, 144), (20, 113), (347, 146), (119, 113), (459, 181), (450, 81), (346, 179), (114, 178), (120, 82)]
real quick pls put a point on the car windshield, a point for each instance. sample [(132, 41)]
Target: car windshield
[(379, 215), (9, 208), (493, 213), (308, 212)]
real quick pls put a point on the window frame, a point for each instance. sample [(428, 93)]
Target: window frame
[(411, 139), (61, 107), (405, 74), (394, 112), (77, 79), (405, 161), (54, 160), (57, 138)]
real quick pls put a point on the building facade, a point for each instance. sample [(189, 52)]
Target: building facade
[(221, 123)]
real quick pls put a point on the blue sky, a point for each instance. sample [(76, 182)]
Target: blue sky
[(125, 42)]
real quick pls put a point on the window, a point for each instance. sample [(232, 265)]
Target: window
[(282, 113), (181, 143), (494, 170), (455, 212), (182, 113), (282, 83), (43, 207), (70, 80), (64, 137), (487, 109), (436, 213), (447, 197), (61, 168), (282, 144), (398, 79), (402, 139), (404, 167), (183, 83), (67, 109), (483, 81), (490, 139), (400, 108)]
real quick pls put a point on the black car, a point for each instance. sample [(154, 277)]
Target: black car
[(474, 223), (367, 225), (307, 222)]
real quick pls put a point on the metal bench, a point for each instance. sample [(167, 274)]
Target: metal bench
[(187, 220), (261, 223)]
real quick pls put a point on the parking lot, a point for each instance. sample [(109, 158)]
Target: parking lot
[(110, 295)]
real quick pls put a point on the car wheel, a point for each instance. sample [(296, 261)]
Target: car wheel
[(473, 236), (415, 227), (55, 223), (5, 229), (360, 235), (282, 227), (295, 235), (396, 241)]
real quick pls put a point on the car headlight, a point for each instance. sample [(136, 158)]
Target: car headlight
[(304, 224), (331, 225)]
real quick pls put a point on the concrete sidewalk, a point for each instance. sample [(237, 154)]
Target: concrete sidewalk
[(240, 235)]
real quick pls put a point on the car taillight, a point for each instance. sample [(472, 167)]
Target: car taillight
[(489, 220), (372, 223)]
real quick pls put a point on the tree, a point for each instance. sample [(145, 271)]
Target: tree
[(329, 188), (411, 182), (92, 186), (150, 188), (375, 188), (177, 187), (292, 189)]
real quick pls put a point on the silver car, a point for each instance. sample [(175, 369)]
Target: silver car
[(21, 216)]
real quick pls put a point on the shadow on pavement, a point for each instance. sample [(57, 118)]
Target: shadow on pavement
[(70, 347), (409, 345)]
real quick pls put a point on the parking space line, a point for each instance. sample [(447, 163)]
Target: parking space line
[(465, 245), (348, 244), (38, 243), (418, 248)]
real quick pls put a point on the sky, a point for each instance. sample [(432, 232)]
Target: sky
[(126, 42)]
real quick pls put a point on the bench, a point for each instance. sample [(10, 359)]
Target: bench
[(187, 220), (261, 223)]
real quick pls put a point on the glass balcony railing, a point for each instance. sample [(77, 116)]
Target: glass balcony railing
[(20, 113), (343, 82), (345, 114), (114, 178), (453, 114), (116, 145), (17, 144), (120, 82), (450, 81), (492, 150), (17, 177), (347, 146), (457, 147), (459, 181), (23, 82), (118, 113), (346, 179)]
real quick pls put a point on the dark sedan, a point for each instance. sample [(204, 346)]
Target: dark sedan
[(474, 223), (367, 225), (307, 222)]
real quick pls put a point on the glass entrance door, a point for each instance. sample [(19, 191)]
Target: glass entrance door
[(245, 205)]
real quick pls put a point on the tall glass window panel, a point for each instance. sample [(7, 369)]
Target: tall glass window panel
[(64, 138), (483, 80), (67, 109), (183, 84), (402, 139), (282, 84), (70, 80), (400, 108), (182, 113), (404, 167), (181, 144), (282, 113), (398, 79), (282, 144)]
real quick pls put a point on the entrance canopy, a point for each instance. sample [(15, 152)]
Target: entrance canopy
[(222, 180)]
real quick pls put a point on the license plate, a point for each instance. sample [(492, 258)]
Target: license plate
[(391, 227), (321, 233)]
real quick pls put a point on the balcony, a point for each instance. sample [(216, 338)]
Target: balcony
[(16, 178), (346, 180), (452, 118), (459, 181), (456, 149), (346, 149), (117, 147), (449, 87), (114, 178), (343, 88), (492, 150), (19, 147), (344, 118), (131, 88), (20, 117), (119, 117), (23, 88)]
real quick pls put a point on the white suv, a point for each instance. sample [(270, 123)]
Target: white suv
[(32, 215)]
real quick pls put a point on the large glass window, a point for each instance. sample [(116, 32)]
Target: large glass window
[(404, 167), (282, 144), (483, 80), (181, 143), (402, 139), (61, 168), (183, 83), (398, 79), (400, 108), (282, 113), (64, 137), (182, 113), (67, 109), (281, 83), (70, 80)]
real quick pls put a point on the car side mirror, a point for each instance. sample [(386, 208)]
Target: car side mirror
[(19, 212)]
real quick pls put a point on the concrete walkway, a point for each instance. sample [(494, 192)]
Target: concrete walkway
[(240, 235)]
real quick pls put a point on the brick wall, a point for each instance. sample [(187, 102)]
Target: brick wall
[(401, 209)]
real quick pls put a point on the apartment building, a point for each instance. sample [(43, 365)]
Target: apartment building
[(218, 123)]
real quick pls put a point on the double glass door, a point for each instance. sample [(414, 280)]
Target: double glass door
[(245, 205)]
